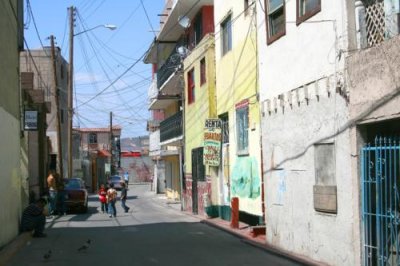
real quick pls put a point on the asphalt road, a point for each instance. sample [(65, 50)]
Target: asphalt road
[(151, 233)]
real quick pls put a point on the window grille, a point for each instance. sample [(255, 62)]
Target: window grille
[(375, 23)]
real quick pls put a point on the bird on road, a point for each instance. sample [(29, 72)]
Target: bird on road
[(85, 246), (47, 255)]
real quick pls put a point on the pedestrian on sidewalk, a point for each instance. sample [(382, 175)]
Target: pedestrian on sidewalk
[(124, 194), (34, 218), (126, 178), (103, 198), (52, 187), (111, 199)]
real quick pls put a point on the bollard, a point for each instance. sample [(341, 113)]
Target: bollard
[(235, 212)]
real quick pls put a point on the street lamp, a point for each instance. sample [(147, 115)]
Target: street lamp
[(108, 26), (71, 78)]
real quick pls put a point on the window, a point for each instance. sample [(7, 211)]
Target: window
[(92, 138), (325, 190), (242, 127), (195, 33), (191, 86), (307, 9), (275, 19), (226, 31), (198, 29), (203, 77), (324, 158)]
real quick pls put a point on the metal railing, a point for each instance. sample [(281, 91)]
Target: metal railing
[(171, 127), (168, 68)]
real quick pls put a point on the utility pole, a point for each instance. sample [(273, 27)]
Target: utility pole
[(111, 146), (70, 86), (56, 94)]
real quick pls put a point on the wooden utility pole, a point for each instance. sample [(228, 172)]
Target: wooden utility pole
[(70, 86), (111, 145), (56, 95)]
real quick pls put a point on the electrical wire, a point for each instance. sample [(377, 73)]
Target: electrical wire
[(148, 19)]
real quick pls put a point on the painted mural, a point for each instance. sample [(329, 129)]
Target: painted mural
[(245, 180)]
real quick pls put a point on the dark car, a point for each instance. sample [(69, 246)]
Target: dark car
[(116, 180), (76, 194)]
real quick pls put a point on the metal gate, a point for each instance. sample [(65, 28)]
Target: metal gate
[(381, 202)]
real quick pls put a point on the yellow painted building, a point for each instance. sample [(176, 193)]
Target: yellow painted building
[(200, 104), (238, 106)]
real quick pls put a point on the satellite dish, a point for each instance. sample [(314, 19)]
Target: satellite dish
[(182, 51), (184, 21)]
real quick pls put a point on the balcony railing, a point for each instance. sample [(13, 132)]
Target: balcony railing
[(171, 127), (170, 66)]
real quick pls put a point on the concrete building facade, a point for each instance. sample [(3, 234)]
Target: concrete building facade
[(95, 150), (39, 64), (329, 122), (13, 156)]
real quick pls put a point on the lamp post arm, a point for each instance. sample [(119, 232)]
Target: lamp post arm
[(108, 26)]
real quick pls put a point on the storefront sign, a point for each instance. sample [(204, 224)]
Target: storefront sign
[(31, 120), (212, 142)]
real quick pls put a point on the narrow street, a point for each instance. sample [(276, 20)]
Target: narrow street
[(151, 233)]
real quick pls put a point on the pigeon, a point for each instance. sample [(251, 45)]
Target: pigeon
[(47, 255), (85, 246)]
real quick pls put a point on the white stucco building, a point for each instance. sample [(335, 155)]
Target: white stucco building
[(327, 89), (311, 200)]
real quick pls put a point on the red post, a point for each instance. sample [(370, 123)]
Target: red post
[(235, 212)]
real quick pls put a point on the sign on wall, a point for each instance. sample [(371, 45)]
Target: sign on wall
[(212, 142), (31, 120)]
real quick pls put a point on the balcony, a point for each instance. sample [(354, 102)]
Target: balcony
[(171, 127), (170, 72)]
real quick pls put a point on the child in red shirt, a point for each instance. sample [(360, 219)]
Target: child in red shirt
[(103, 198)]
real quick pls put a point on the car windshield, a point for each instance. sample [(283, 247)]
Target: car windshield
[(72, 183), (115, 178)]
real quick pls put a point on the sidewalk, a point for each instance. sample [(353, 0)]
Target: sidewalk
[(244, 232)]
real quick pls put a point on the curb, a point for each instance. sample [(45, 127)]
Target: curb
[(13, 247), (265, 246)]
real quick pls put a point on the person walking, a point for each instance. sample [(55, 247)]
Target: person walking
[(34, 218), (124, 194), (111, 199), (103, 198), (126, 178), (52, 186)]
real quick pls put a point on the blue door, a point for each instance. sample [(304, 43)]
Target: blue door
[(380, 199)]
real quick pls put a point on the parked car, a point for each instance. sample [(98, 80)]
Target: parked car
[(116, 180), (76, 194)]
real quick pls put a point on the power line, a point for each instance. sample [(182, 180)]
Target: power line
[(112, 83), (148, 19)]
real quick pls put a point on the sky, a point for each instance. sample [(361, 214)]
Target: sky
[(109, 73)]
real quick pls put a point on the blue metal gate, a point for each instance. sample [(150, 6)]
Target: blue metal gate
[(381, 202)]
